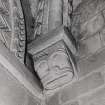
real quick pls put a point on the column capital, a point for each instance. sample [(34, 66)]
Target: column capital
[(53, 57)]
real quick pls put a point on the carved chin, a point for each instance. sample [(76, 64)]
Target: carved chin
[(50, 82)]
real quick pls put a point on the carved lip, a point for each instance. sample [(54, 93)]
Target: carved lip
[(58, 81)]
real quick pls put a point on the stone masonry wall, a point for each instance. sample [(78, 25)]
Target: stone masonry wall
[(89, 88)]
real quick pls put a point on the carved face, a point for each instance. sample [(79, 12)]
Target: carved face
[(55, 71), (58, 59)]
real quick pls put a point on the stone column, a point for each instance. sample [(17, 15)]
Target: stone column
[(55, 14)]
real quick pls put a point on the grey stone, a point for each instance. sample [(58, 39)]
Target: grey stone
[(12, 92), (53, 100), (87, 18), (102, 35), (92, 63), (80, 87), (92, 26), (97, 98), (89, 8), (72, 103), (90, 46)]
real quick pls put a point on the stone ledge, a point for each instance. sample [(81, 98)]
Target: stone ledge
[(59, 34), (79, 88), (19, 71)]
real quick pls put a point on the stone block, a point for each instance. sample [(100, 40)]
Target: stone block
[(92, 26), (73, 103), (102, 36), (18, 70), (53, 100), (32, 101), (88, 83), (92, 63), (90, 46), (12, 92), (53, 58), (103, 12), (97, 98), (82, 86), (89, 8)]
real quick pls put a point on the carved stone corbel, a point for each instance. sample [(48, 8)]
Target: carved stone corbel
[(53, 56)]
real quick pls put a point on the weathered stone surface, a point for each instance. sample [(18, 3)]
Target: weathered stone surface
[(18, 70), (103, 12), (32, 101), (55, 14), (102, 36), (12, 27), (90, 46), (80, 87), (53, 66), (54, 100), (29, 15), (103, 71), (53, 58), (88, 9), (97, 98), (12, 92), (92, 26), (59, 34), (92, 63), (76, 3), (87, 18), (73, 103)]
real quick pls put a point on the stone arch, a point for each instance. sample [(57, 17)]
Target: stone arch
[(12, 27)]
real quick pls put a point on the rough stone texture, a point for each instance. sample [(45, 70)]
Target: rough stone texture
[(12, 27), (54, 100), (18, 70), (73, 103), (102, 36), (76, 3), (29, 18), (92, 26), (88, 19), (88, 88), (97, 98), (89, 8), (76, 90), (53, 63), (12, 92), (90, 46), (92, 63), (80, 87)]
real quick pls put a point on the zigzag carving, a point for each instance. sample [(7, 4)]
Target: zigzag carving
[(12, 28)]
